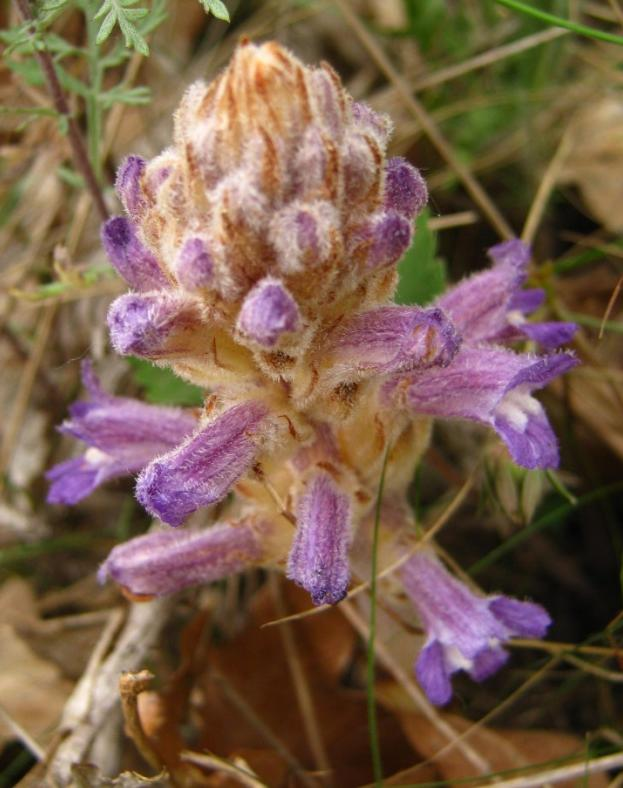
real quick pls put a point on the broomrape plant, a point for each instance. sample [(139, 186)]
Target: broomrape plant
[(261, 252)]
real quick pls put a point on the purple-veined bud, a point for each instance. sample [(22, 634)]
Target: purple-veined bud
[(153, 325), (167, 561), (391, 339), (194, 266), (387, 238), (302, 235), (318, 559), (268, 312), (122, 435), (128, 185), (464, 631), (405, 189), (203, 469), (133, 261), (493, 386)]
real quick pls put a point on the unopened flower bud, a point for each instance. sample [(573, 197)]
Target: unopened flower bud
[(268, 312), (136, 264)]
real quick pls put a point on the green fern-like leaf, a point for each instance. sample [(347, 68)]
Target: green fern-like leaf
[(120, 13), (216, 8)]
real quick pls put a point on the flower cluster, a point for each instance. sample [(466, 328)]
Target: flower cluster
[(261, 252)]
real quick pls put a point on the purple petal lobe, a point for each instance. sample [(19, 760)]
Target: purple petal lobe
[(405, 189), (164, 562), (527, 301), (525, 619), (392, 339), (318, 559), (128, 185), (433, 675), (73, 480), (488, 662), (194, 266), (133, 261), (549, 335), (268, 312), (202, 470), (152, 325)]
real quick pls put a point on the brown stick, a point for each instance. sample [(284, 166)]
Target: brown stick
[(81, 158)]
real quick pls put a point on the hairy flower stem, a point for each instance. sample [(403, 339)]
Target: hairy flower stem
[(81, 158)]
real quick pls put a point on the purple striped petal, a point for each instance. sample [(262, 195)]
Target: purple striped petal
[(465, 631), (202, 470), (168, 561), (493, 386), (318, 559), (133, 261), (391, 339), (479, 305), (123, 436)]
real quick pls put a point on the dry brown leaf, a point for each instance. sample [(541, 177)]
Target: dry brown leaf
[(32, 690), (595, 159), (503, 749)]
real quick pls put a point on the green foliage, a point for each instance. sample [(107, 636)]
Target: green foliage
[(119, 12), (162, 387), (216, 8), (422, 273)]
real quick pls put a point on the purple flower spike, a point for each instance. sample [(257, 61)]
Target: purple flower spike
[(133, 261), (318, 559), (493, 386), (390, 236), (123, 436), (393, 339), (464, 631), (268, 312), (148, 324), (301, 234), (405, 189), (202, 470), (194, 266), (128, 185), (168, 561)]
